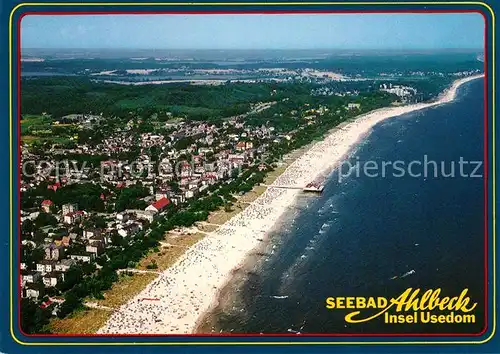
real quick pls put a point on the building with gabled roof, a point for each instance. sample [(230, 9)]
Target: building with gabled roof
[(46, 205), (159, 205)]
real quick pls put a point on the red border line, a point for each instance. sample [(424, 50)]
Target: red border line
[(250, 12), (486, 171)]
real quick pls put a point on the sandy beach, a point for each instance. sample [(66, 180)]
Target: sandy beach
[(176, 300)]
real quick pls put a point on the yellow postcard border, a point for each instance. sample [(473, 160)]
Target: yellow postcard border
[(287, 342)]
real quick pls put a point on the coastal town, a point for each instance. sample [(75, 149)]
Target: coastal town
[(190, 177), (101, 193), (82, 204)]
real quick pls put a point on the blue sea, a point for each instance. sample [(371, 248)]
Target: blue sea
[(375, 236)]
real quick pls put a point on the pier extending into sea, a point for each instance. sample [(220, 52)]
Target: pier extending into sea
[(189, 288)]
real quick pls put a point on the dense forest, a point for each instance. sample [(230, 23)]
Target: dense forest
[(60, 96)]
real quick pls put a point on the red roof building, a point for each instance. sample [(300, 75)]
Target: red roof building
[(159, 205), (46, 205), (46, 304), (240, 146), (54, 186)]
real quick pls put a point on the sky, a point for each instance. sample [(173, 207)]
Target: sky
[(298, 31)]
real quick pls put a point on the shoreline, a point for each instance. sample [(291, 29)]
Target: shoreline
[(205, 323), (182, 295)]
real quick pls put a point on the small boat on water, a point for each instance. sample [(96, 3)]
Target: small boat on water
[(411, 272)]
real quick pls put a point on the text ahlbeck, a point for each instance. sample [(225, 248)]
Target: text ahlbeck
[(410, 300)]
